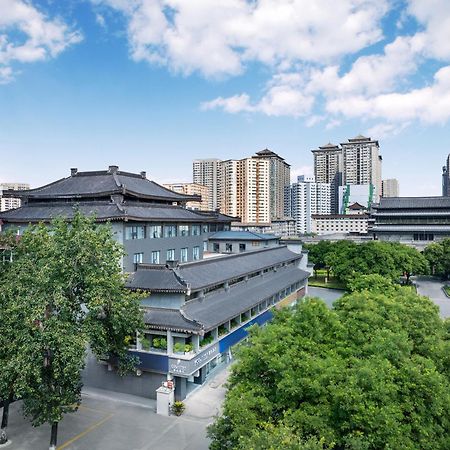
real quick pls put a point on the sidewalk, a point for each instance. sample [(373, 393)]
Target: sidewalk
[(206, 401)]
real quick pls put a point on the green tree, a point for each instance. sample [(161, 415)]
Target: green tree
[(371, 374), (64, 291), (438, 257)]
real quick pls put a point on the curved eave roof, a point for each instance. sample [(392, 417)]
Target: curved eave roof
[(102, 184), (43, 212)]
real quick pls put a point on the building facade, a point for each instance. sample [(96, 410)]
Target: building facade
[(150, 221), (412, 220), (356, 221), (192, 189), (305, 198), (328, 170), (390, 188), (361, 163), (196, 312), (279, 180), (207, 172), (10, 202), (240, 241)]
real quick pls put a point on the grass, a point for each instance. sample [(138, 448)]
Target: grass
[(319, 281)]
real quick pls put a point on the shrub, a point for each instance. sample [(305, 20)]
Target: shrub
[(178, 408)]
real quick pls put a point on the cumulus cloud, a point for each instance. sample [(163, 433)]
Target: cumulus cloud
[(219, 37), (319, 55), (27, 35)]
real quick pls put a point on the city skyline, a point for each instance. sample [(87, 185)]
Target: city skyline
[(146, 85)]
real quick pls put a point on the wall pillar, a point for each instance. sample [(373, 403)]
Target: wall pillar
[(180, 388), (169, 342), (195, 342)]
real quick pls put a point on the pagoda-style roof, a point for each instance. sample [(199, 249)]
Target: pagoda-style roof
[(356, 207), (359, 139), (266, 153), (330, 147), (422, 203), (103, 211), (101, 184)]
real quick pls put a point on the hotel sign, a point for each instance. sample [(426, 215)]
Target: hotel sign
[(186, 367)]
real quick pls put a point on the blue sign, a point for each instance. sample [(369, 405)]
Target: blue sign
[(239, 334), (150, 361)]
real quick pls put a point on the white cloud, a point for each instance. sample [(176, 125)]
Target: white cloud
[(219, 37), (386, 130), (42, 37)]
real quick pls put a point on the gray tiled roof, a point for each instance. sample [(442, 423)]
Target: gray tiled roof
[(213, 271), (101, 183), (242, 236), (221, 306), (164, 318), (413, 202), (416, 228), (156, 280), (37, 212)]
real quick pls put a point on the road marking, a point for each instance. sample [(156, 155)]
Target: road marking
[(86, 431)]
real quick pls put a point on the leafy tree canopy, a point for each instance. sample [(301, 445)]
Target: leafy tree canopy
[(438, 257), (371, 374), (64, 291)]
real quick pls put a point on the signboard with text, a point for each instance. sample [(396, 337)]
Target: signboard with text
[(186, 368)]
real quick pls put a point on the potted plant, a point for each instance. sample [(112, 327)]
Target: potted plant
[(145, 343), (156, 343), (178, 408), (188, 348), (163, 343), (178, 347)]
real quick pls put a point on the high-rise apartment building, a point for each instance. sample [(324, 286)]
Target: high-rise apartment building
[(7, 203), (229, 191), (446, 178), (192, 189), (361, 163), (279, 179), (253, 196), (328, 169), (305, 198), (390, 188), (206, 172)]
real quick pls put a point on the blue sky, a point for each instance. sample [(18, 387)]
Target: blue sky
[(153, 84)]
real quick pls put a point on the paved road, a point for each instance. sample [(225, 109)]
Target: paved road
[(108, 420), (433, 288), (327, 295)]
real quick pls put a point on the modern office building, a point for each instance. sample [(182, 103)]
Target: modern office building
[(279, 179), (305, 198), (192, 189), (284, 227), (361, 163), (390, 188), (230, 191), (363, 194), (196, 312), (206, 172), (8, 202), (328, 169), (150, 221), (411, 220), (446, 178)]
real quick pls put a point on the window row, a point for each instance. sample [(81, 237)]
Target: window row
[(171, 255), (159, 231)]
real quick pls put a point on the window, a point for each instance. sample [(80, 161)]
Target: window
[(242, 247), (170, 254), (196, 253), (155, 257), (228, 247), (135, 232), (216, 248), (205, 246), (195, 230), (256, 243), (170, 231), (155, 231), (184, 254), (205, 228), (184, 230), (138, 258)]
